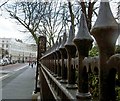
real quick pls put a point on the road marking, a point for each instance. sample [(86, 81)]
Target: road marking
[(9, 73), (4, 71), (20, 68), (3, 76)]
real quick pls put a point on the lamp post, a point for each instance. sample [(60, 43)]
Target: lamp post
[(29, 59), (2, 49), (23, 58), (10, 57), (2, 53), (19, 58)]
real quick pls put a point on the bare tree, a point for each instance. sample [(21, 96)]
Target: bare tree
[(87, 8), (28, 14), (3, 3), (52, 22), (49, 18), (39, 18)]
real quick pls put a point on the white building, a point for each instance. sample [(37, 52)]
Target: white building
[(119, 21), (119, 11), (17, 50)]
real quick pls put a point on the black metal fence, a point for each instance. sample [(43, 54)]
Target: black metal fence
[(67, 72)]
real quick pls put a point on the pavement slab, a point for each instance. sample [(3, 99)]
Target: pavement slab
[(21, 87)]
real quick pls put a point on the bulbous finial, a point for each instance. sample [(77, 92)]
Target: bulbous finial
[(105, 17), (55, 46), (69, 46), (83, 40), (83, 33), (105, 29), (63, 41), (71, 36), (59, 43)]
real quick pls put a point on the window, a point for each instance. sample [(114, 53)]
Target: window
[(2, 45), (6, 45)]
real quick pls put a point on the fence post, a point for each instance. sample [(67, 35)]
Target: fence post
[(63, 55), (71, 52), (83, 42), (55, 59), (51, 60), (40, 49), (105, 32), (58, 60)]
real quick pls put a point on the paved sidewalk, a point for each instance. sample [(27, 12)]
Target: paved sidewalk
[(20, 87)]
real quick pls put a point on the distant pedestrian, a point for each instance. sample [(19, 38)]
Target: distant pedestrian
[(35, 62), (32, 64)]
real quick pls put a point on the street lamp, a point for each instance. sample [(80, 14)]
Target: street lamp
[(2, 53), (19, 58), (23, 58), (29, 59), (2, 49)]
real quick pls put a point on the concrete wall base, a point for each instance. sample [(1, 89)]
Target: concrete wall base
[(35, 96)]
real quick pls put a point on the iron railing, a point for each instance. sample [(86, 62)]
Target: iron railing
[(60, 64)]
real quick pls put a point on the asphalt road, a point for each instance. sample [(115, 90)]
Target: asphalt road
[(12, 67), (6, 71), (17, 82)]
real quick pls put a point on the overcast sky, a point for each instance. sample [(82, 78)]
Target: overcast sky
[(9, 28)]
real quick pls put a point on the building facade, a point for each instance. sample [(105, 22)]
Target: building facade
[(16, 50), (119, 21), (119, 12)]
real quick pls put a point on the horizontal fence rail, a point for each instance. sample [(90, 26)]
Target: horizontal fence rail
[(67, 72)]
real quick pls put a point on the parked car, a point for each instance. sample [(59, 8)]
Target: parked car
[(6, 61), (2, 62)]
